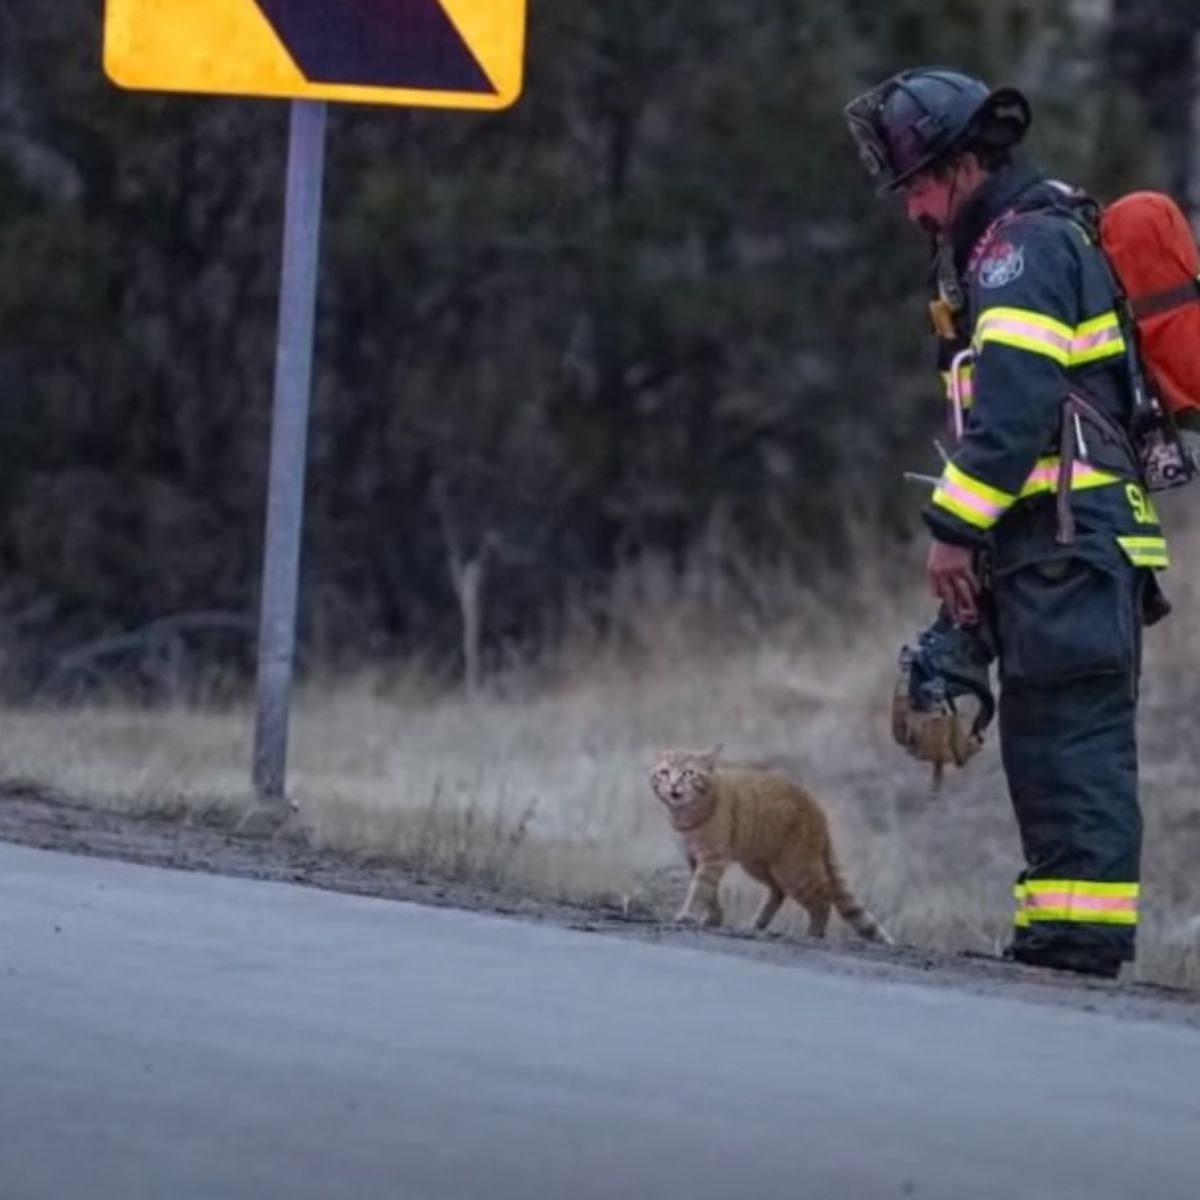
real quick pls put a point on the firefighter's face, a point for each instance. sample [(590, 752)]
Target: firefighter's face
[(929, 201), (932, 199)]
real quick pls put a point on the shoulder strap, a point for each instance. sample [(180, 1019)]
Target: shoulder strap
[(1084, 212), (1154, 304)]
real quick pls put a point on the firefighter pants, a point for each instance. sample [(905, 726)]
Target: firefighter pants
[(1068, 622)]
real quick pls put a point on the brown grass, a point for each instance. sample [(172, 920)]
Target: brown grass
[(538, 785)]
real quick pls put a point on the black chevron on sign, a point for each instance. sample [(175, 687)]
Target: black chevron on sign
[(376, 43)]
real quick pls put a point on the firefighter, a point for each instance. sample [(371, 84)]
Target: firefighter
[(1043, 537)]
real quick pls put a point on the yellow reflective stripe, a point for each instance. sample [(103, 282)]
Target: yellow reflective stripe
[(1146, 551), (1095, 339), (1025, 330), (1025, 317), (966, 385), (1114, 917), (970, 499), (1086, 476), (1082, 887), (1098, 338), (1079, 900), (1100, 324), (1044, 477), (1020, 916), (981, 505)]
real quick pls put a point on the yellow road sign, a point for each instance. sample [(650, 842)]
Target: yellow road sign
[(444, 53)]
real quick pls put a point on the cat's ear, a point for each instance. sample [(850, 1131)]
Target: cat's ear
[(709, 757)]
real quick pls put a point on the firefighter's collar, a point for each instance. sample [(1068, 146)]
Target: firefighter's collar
[(996, 195)]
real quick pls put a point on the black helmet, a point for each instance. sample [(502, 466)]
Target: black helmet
[(920, 117)]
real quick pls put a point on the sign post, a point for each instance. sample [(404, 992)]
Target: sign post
[(466, 54), (289, 442)]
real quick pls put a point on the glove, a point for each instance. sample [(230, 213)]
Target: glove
[(942, 702)]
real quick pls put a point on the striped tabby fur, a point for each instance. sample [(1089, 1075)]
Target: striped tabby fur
[(767, 824)]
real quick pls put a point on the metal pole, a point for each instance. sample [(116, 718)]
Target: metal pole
[(289, 438)]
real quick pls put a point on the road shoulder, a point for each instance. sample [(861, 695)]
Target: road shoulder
[(32, 817)]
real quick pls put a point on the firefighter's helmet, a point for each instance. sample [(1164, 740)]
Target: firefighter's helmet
[(922, 117), (942, 701)]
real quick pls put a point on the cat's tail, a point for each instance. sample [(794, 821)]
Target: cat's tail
[(858, 917)]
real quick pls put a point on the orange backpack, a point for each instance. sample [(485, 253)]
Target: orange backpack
[(1152, 250)]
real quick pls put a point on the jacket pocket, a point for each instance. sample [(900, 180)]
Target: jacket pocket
[(1063, 615)]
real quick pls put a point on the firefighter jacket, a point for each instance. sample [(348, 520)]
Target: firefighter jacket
[(1031, 325)]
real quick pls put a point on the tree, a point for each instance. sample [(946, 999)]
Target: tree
[(654, 300)]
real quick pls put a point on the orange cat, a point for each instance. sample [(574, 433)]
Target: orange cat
[(766, 823)]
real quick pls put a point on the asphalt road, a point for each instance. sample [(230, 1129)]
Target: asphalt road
[(175, 1036)]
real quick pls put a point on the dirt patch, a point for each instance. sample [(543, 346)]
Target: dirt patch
[(30, 816)]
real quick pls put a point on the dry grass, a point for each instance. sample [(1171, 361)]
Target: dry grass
[(539, 786)]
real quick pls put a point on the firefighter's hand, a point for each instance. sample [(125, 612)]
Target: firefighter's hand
[(952, 579)]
